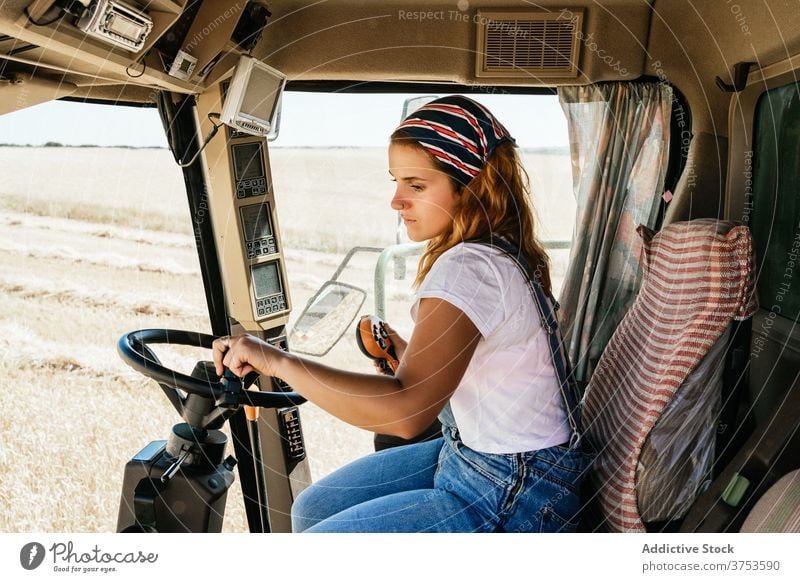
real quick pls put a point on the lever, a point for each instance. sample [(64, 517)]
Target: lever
[(375, 343), (173, 468), (251, 412)]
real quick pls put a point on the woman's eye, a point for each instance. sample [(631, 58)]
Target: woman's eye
[(416, 188)]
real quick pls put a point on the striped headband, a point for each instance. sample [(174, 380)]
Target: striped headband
[(458, 132)]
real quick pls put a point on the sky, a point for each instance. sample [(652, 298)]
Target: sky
[(307, 119)]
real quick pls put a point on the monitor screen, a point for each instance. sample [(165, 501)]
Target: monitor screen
[(247, 161), (256, 221), (263, 90), (266, 279), (124, 27)]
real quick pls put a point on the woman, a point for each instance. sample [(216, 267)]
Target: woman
[(478, 356)]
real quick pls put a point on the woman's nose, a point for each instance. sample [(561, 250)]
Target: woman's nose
[(398, 201)]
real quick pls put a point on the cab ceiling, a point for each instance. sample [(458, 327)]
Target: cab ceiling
[(435, 41), (684, 42)]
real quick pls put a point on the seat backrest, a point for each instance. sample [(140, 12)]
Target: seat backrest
[(698, 278), (678, 456)]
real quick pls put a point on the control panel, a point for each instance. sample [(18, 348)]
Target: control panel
[(252, 223), (270, 296), (259, 237), (290, 429), (248, 170), (292, 434)]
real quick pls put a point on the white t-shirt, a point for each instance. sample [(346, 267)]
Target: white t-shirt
[(508, 400)]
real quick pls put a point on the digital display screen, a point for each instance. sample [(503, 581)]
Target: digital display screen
[(262, 92), (266, 279), (256, 221), (124, 27), (247, 163)]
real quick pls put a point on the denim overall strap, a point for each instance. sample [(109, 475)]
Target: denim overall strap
[(546, 306), (446, 417)]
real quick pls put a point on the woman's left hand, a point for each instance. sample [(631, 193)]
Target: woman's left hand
[(243, 354)]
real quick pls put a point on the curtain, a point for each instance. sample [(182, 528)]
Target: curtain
[(619, 145)]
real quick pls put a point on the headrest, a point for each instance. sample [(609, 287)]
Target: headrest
[(718, 251)]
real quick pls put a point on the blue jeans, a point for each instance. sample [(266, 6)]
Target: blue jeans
[(444, 486)]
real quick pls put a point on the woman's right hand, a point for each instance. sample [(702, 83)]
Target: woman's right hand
[(399, 346), (243, 354), (398, 342)]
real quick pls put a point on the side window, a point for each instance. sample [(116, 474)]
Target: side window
[(775, 218), (95, 241)]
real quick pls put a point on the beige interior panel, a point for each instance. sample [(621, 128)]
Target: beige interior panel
[(693, 42), (23, 91), (434, 41), (114, 93), (224, 205)]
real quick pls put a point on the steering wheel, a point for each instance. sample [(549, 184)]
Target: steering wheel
[(228, 391)]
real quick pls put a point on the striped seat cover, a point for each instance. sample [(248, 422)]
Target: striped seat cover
[(698, 277)]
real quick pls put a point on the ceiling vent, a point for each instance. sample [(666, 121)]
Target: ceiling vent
[(528, 44)]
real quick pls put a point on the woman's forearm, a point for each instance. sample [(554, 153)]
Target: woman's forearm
[(373, 402), (403, 405), (370, 401)]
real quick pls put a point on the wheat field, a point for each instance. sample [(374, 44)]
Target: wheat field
[(97, 242)]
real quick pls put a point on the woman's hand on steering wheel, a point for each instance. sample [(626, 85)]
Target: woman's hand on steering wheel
[(243, 354)]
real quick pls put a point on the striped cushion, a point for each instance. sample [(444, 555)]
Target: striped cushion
[(697, 279)]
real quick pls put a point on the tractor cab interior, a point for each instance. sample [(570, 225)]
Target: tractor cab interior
[(684, 135)]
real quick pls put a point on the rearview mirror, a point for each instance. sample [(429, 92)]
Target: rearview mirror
[(326, 318)]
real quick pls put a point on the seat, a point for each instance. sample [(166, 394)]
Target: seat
[(778, 511), (650, 408), (750, 486)]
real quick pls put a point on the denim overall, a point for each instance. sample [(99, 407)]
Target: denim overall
[(445, 486)]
